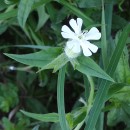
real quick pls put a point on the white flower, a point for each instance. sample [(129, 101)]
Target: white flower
[(78, 40)]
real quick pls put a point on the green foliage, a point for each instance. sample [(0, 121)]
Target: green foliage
[(24, 10), (38, 59), (89, 67), (21, 124), (8, 96), (27, 26), (50, 117), (120, 102), (101, 95)]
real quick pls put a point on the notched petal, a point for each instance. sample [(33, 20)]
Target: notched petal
[(79, 23), (86, 50), (66, 35), (66, 29), (93, 34), (92, 47), (66, 32), (74, 25)]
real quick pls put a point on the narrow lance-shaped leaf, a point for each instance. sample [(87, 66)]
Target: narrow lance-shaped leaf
[(60, 99), (24, 9), (49, 117), (57, 63), (38, 59), (13, 12), (43, 16), (89, 67), (9, 14), (103, 38)]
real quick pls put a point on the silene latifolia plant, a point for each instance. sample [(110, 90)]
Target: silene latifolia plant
[(65, 42), (77, 51)]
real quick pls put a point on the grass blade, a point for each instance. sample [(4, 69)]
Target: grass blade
[(60, 99), (103, 38), (108, 18)]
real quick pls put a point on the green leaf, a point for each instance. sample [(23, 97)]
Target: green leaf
[(57, 63), (76, 117), (116, 116), (60, 99), (87, 21), (26, 46), (42, 16), (108, 19), (8, 96), (13, 12), (8, 14), (2, 5), (50, 117), (52, 12), (24, 9), (89, 3), (38, 59), (114, 88), (3, 28), (33, 34), (88, 67), (123, 70), (104, 85), (94, 3), (7, 124), (103, 38), (69, 118), (79, 115), (118, 22)]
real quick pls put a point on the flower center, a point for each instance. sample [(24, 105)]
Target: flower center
[(82, 35)]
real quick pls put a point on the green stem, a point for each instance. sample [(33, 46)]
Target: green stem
[(60, 99), (87, 88), (90, 101)]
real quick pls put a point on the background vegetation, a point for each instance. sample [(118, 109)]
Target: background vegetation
[(27, 26)]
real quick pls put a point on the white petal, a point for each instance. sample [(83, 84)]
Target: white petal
[(66, 29), (74, 25), (93, 34), (74, 46), (67, 33), (86, 50), (91, 47), (79, 22)]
